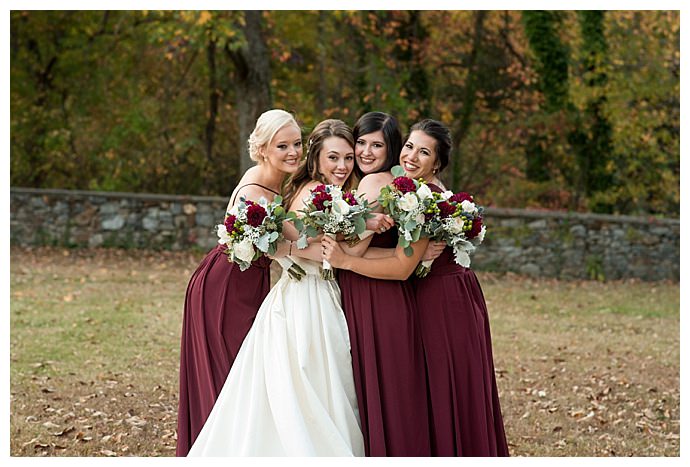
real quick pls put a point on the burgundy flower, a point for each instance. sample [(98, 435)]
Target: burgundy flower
[(350, 198), (446, 208), (320, 198), (319, 188), (476, 228), (404, 184), (255, 214), (460, 197), (230, 223)]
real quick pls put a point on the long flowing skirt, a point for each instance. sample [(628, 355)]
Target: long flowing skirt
[(290, 391), (465, 413), (388, 364)]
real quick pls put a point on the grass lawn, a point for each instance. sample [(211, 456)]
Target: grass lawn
[(584, 368)]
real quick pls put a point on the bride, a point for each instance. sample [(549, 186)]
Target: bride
[(290, 391)]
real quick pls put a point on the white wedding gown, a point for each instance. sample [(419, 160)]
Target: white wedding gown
[(290, 390)]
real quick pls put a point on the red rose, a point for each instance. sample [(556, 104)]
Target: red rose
[(476, 228), (350, 198), (404, 184), (460, 197), (255, 214), (320, 198), (446, 208), (230, 223)]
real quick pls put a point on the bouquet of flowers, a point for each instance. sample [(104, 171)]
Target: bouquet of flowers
[(408, 202), (251, 229), (330, 210), (457, 220)]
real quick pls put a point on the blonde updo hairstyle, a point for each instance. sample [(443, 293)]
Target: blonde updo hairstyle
[(267, 125)]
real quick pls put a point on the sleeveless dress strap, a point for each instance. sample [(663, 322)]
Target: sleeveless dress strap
[(248, 184)]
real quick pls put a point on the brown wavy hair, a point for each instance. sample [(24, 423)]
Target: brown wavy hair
[(309, 168)]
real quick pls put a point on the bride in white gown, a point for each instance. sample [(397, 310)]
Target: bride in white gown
[(290, 391)]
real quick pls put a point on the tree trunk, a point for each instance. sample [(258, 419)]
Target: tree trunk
[(252, 79), (213, 97), (542, 29), (323, 83), (470, 96), (594, 156)]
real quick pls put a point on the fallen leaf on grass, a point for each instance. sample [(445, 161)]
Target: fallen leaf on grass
[(136, 421), (69, 429), (36, 442), (108, 453)]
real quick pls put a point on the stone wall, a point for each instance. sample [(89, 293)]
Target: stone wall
[(539, 243)]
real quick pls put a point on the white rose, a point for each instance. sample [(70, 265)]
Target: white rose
[(456, 225), (341, 206), (424, 192), (244, 250), (223, 236), (468, 206), (408, 202), (446, 195), (420, 218)]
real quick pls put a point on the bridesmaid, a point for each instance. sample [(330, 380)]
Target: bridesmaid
[(382, 319), (219, 306), (465, 413)]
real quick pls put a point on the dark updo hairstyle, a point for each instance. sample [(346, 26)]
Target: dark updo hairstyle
[(441, 134), (309, 168), (371, 122)]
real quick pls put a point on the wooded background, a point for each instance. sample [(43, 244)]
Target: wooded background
[(575, 110)]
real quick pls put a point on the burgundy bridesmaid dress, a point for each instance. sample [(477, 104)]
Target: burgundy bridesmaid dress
[(387, 361), (465, 413)]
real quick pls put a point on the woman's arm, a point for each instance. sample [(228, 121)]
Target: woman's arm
[(375, 252), (396, 267)]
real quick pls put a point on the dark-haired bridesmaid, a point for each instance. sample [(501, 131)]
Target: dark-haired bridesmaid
[(386, 345), (465, 413)]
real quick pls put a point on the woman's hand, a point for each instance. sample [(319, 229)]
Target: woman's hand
[(433, 250), (332, 252), (284, 249), (316, 239), (380, 222)]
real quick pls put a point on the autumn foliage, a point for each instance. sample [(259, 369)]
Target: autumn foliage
[(584, 117)]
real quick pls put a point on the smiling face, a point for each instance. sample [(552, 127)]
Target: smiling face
[(336, 160), (371, 152), (418, 156), (284, 151)]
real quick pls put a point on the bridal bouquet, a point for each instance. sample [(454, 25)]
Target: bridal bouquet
[(251, 229), (409, 202), (457, 220), (330, 210)]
